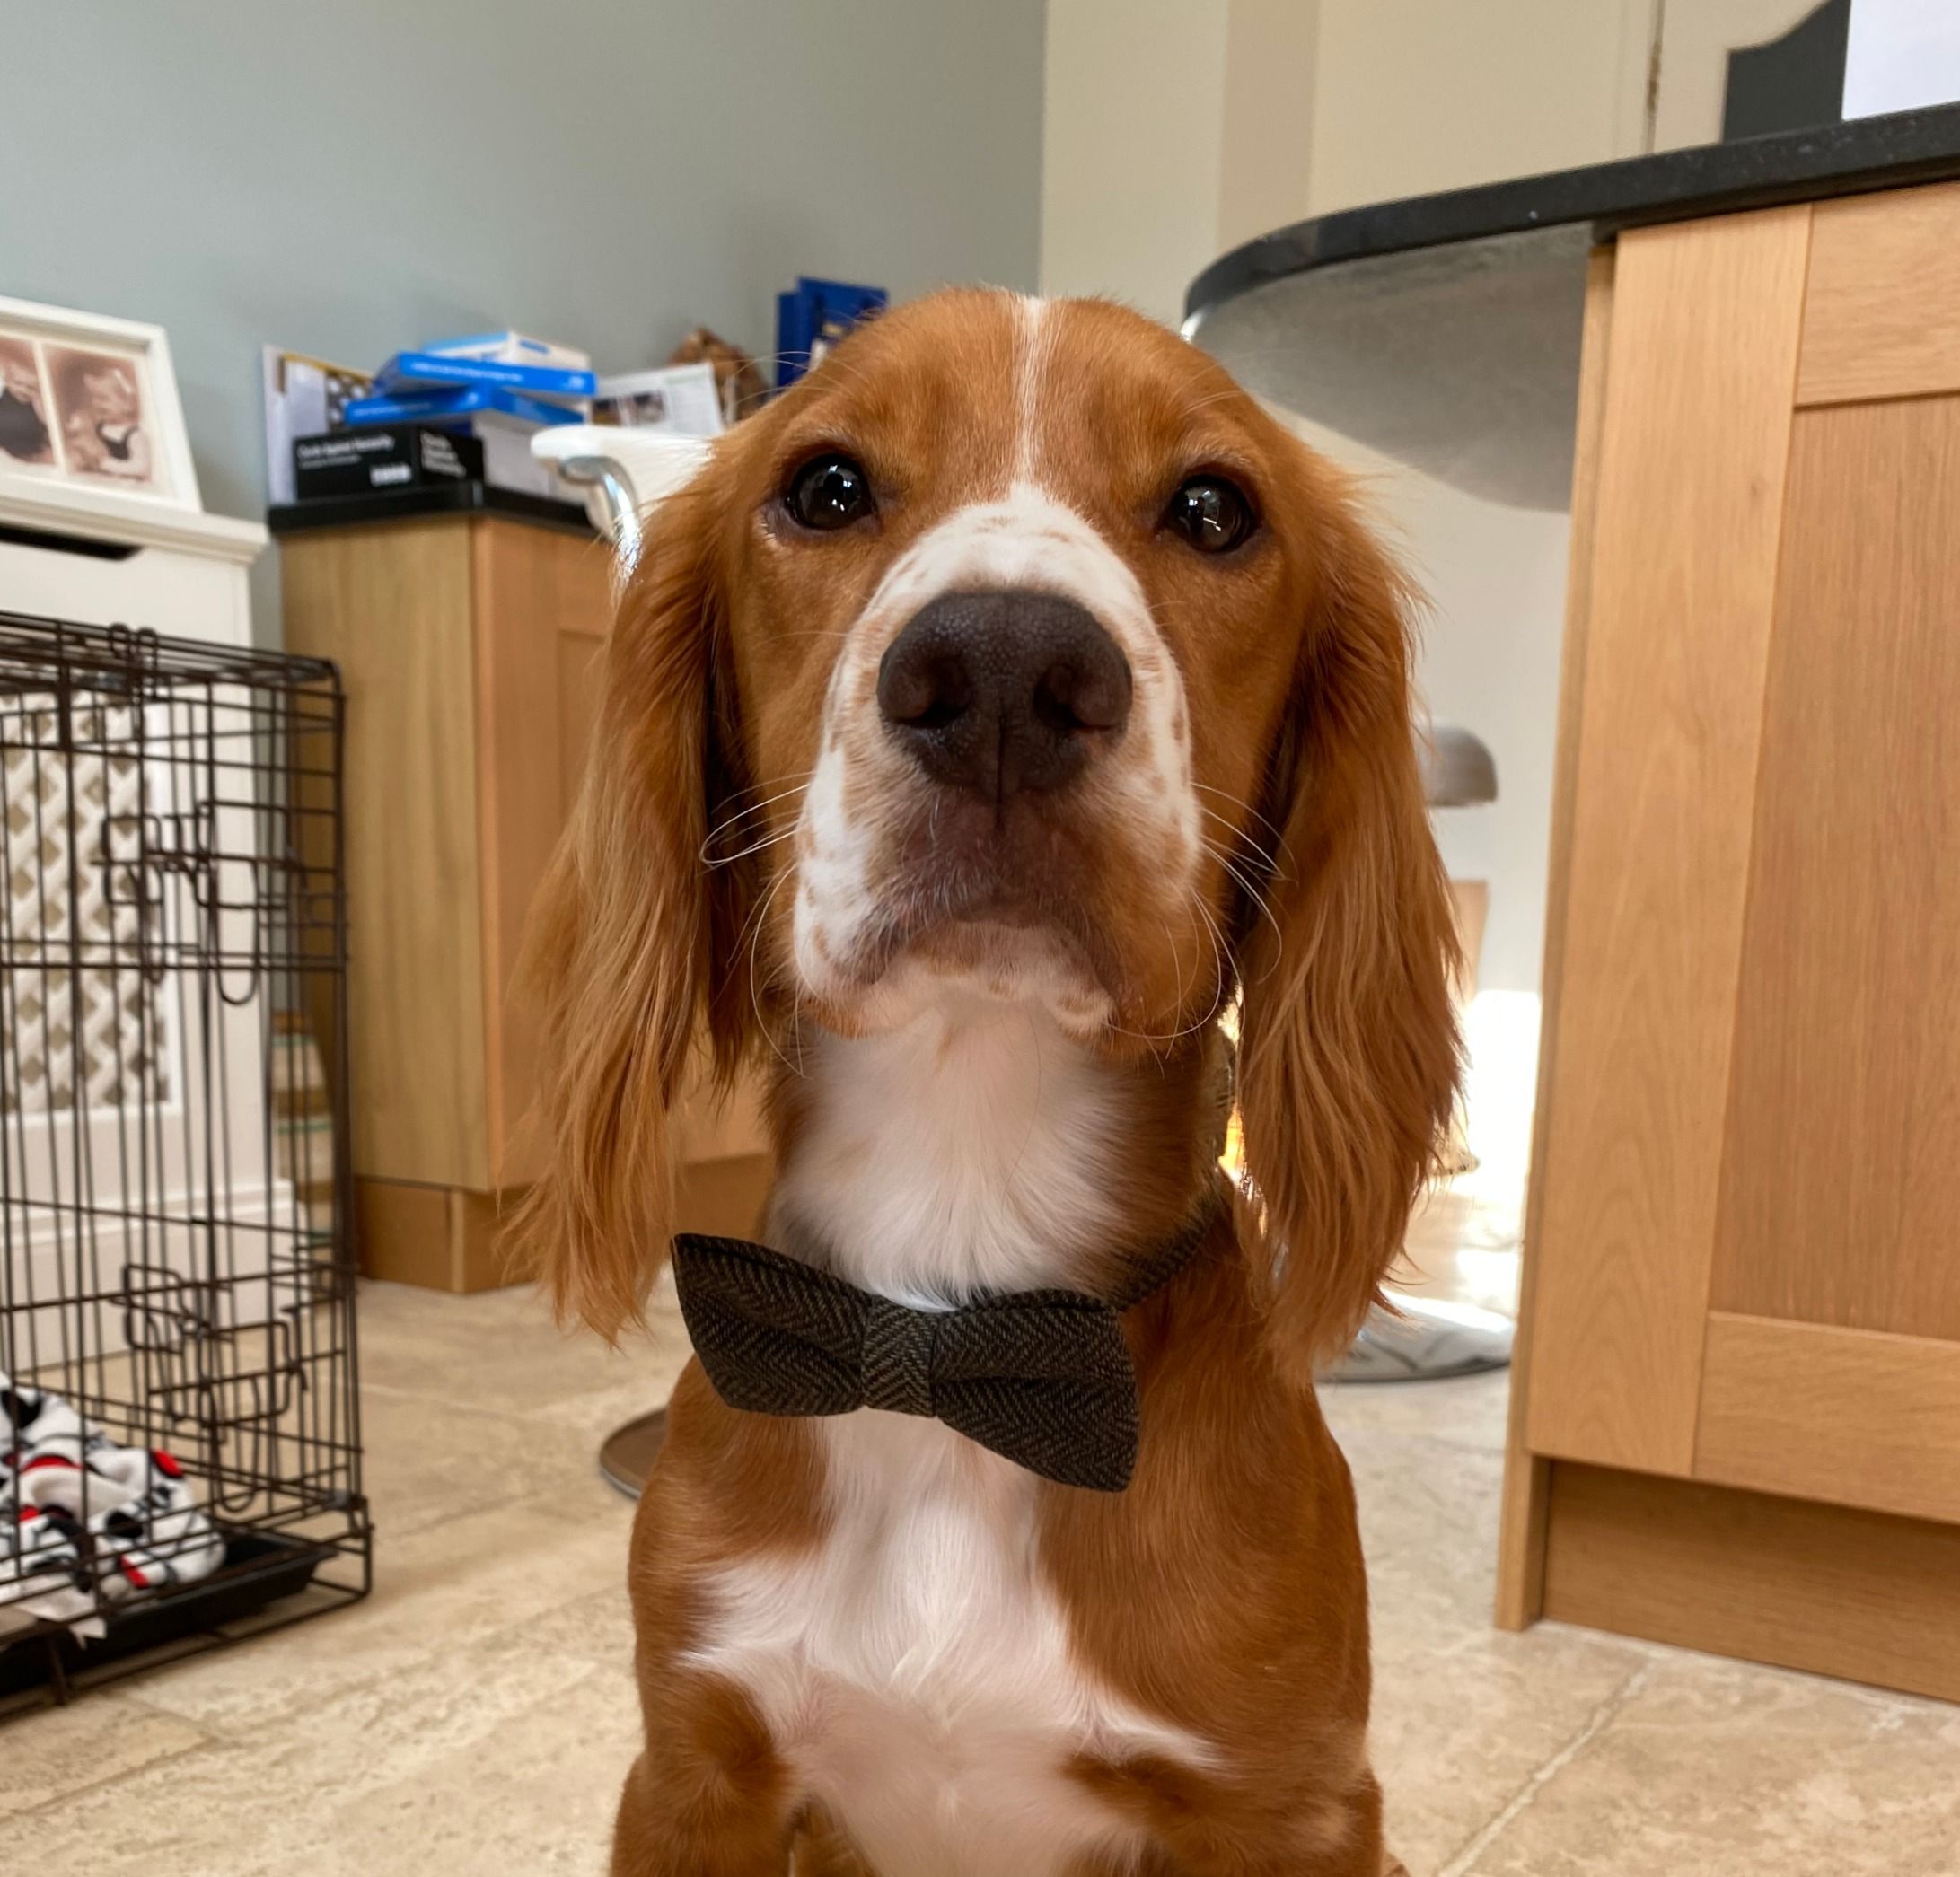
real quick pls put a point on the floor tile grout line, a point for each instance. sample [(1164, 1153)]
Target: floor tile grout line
[(543, 1415), (1466, 1860), (285, 1714), (202, 1744), (234, 1734), (444, 1397), (1455, 1443), (143, 1682), (231, 1734)]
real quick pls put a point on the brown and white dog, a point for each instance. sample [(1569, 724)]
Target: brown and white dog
[(989, 714)]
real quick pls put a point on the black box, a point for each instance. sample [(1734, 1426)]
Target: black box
[(382, 456)]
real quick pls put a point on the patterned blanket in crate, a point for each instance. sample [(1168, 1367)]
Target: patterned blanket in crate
[(85, 1524)]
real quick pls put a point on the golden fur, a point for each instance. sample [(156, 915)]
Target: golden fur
[(1322, 882)]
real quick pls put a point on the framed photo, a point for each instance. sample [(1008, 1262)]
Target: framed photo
[(88, 408)]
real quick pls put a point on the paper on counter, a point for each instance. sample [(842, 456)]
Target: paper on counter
[(1902, 54)]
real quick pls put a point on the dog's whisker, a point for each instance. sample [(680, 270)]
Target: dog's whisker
[(724, 860), (1218, 951), (1245, 885), (1239, 801), (756, 808), (1177, 958), (753, 922), (1240, 838), (1243, 852), (755, 996), (1221, 970), (729, 823)]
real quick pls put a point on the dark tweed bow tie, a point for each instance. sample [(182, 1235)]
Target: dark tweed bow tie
[(1042, 1378)]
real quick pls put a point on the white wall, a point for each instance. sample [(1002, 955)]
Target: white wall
[(1283, 108), (1691, 70), (1413, 96), (1271, 109), (1495, 577), (1418, 95), (1134, 92)]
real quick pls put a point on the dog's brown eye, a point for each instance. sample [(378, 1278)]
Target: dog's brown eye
[(1211, 513), (829, 492)]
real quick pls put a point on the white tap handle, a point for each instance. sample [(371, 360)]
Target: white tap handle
[(626, 472)]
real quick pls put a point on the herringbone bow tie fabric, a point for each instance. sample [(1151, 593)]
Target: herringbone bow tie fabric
[(1042, 1378)]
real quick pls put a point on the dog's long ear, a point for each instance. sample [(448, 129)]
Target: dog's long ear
[(632, 931), (1349, 1055)]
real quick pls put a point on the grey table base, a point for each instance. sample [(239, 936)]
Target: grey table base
[(627, 1454), (1425, 1339)]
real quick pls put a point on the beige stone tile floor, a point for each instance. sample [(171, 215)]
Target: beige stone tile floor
[(476, 1713)]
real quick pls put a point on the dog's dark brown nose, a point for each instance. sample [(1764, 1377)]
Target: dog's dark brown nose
[(996, 692)]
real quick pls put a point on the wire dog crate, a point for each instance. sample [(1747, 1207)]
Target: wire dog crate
[(179, 1432)]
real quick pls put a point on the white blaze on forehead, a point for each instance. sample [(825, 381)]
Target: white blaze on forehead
[(1030, 355)]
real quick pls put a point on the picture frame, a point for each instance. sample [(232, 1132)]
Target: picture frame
[(89, 417)]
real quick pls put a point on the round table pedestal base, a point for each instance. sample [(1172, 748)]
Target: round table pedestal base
[(627, 1454), (1425, 1339)]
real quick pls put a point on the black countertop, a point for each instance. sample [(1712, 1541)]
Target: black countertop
[(1444, 330), (447, 498)]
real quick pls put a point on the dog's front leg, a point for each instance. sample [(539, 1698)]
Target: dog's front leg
[(709, 1796)]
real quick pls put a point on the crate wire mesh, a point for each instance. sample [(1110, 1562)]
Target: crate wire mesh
[(175, 1265)]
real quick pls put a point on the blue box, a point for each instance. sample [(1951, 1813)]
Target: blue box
[(812, 317), (436, 371)]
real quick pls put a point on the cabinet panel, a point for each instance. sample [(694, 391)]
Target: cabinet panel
[(1846, 1415), (1835, 1591), (536, 594), (1685, 536), (544, 609), (1882, 313), (582, 670), (1843, 1133), (1521, 1529), (1741, 1387), (391, 606)]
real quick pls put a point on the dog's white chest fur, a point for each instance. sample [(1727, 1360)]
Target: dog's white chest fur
[(915, 1670), (917, 1673)]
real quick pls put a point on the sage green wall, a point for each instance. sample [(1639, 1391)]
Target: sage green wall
[(347, 178)]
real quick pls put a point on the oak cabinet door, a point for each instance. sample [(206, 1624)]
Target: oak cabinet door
[(544, 609), (1744, 1265)]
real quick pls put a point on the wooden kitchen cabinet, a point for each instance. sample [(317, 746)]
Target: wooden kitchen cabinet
[(469, 645), (1737, 1413)]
